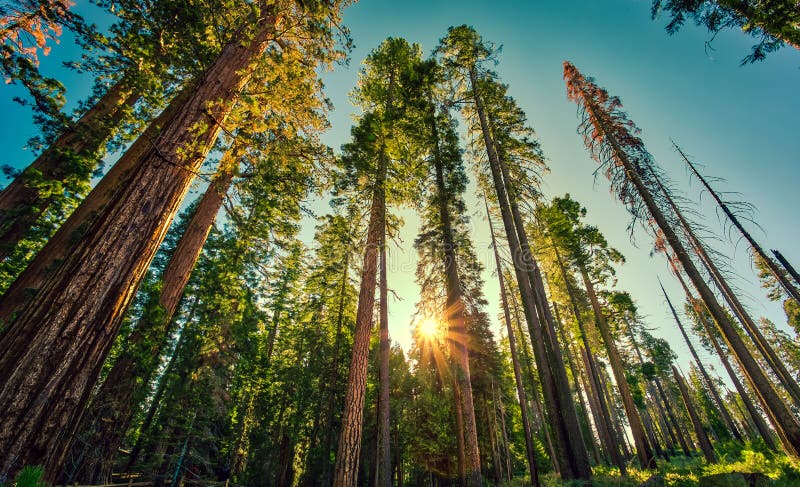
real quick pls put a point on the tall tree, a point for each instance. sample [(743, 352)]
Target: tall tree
[(506, 140), (609, 135), (587, 249), (48, 371)]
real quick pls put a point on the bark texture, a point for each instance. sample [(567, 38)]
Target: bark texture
[(48, 371)]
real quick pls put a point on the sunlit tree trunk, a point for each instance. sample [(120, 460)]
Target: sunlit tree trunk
[(61, 244), (48, 371), (384, 463)]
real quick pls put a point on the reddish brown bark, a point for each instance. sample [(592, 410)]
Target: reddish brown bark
[(21, 202), (384, 463), (48, 371), (60, 245), (112, 409)]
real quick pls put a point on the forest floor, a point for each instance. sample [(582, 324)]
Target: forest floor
[(757, 466)]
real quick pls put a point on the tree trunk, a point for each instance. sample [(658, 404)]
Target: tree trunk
[(643, 449), (761, 425), (384, 463), (61, 244), (762, 345), (604, 415), (349, 451), (48, 371), (771, 265), (77, 149), (571, 453), (706, 377), (783, 419), (457, 333), (526, 427), (788, 266), (699, 431)]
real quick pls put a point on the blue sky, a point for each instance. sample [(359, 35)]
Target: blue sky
[(740, 122)]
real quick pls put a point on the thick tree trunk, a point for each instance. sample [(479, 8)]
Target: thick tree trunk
[(512, 345), (48, 371), (788, 266), (76, 150), (699, 430), (643, 448), (571, 453), (61, 244), (704, 374), (783, 419), (384, 462), (771, 265)]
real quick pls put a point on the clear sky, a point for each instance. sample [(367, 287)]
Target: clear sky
[(740, 122)]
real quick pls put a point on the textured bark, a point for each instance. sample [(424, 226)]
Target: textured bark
[(349, 451), (512, 345), (457, 332), (643, 448), (61, 244), (570, 452), (704, 374), (112, 409), (48, 371), (771, 265), (783, 419), (761, 425), (21, 202), (384, 461), (699, 430)]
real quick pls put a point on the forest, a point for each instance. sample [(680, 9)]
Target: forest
[(211, 275)]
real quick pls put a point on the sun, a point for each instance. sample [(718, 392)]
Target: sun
[(428, 328)]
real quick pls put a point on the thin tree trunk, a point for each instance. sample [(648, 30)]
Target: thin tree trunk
[(643, 448), (761, 425), (22, 203), (788, 266), (771, 265), (783, 419), (526, 427), (384, 462), (457, 333), (571, 453), (706, 377), (48, 371), (762, 345), (62, 243), (699, 431), (604, 415)]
